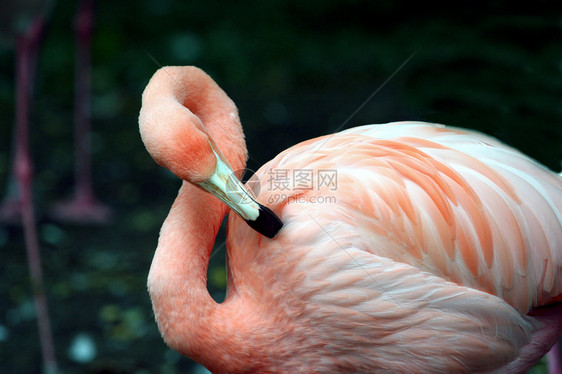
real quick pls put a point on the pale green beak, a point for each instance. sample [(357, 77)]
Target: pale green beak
[(225, 185)]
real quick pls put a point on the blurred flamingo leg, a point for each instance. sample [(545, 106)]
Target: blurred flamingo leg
[(83, 206), (20, 205)]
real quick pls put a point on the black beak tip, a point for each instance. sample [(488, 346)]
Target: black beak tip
[(267, 223)]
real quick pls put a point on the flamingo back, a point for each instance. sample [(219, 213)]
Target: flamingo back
[(425, 254), (457, 204)]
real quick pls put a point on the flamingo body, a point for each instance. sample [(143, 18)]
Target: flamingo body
[(434, 236), (434, 249)]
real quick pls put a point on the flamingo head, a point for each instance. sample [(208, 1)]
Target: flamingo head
[(176, 105)]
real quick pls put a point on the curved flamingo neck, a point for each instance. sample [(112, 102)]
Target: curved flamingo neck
[(183, 110), (177, 280)]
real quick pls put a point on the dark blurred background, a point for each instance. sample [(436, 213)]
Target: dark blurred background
[(296, 69)]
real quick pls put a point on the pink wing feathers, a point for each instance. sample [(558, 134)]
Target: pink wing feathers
[(458, 204), (388, 275)]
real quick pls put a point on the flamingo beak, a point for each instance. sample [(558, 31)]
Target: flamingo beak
[(227, 187)]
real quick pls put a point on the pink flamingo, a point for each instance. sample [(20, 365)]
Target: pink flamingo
[(439, 250)]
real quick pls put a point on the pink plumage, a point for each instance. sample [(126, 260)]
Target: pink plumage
[(430, 249)]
